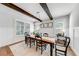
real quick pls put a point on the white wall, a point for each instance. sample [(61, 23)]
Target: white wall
[(65, 21), (7, 25), (74, 29), (6, 29), (53, 31), (44, 30)]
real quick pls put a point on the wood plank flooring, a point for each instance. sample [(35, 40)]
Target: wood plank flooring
[(5, 51), (21, 49)]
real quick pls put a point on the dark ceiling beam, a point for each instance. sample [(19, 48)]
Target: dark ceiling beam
[(46, 9), (12, 6)]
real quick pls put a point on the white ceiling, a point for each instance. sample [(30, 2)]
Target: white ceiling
[(4, 10), (33, 8), (60, 9), (56, 9)]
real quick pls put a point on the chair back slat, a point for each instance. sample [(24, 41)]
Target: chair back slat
[(61, 46), (45, 34)]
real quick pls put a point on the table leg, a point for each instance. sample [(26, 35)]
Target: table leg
[(25, 40), (51, 49), (30, 42)]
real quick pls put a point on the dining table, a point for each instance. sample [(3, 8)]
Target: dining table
[(47, 40)]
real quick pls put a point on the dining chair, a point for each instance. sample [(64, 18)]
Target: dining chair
[(29, 40), (45, 34), (40, 44), (26, 38), (62, 49), (60, 39)]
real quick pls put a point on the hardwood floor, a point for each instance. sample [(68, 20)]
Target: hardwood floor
[(5, 51), (20, 49)]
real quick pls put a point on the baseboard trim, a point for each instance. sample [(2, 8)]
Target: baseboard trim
[(16, 43), (13, 43)]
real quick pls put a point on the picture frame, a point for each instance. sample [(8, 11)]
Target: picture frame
[(41, 25), (50, 25), (45, 25)]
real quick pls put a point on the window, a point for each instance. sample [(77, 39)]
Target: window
[(59, 25), (27, 27), (22, 27), (19, 28)]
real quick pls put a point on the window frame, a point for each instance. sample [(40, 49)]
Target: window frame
[(23, 29)]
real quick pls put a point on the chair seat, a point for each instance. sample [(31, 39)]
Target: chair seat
[(41, 44), (61, 48), (32, 41)]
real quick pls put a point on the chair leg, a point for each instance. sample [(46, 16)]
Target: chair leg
[(30, 43), (65, 53), (45, 46), (25, 41), (36, 46), (55, 51), (34, 42), (41, 50), (27, 44)]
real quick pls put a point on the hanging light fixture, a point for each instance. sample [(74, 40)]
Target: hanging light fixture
[(38, 13)]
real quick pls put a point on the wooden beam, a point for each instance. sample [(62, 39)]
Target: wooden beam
[(46, 9), (12, 6)]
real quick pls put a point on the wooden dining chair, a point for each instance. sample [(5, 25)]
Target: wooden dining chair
[(29, 40), (60, 39), (45, 34), (62, 49), (40, 44)]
